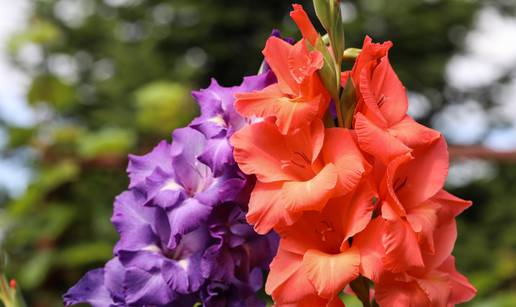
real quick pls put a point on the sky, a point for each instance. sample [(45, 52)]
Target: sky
[(489, 53), (13, 108)]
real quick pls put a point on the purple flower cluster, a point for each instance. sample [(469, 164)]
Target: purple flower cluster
[(184, 238)]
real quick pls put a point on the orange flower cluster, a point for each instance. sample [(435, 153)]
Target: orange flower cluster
[(366, 201)]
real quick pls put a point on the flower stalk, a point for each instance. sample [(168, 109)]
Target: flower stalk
[(9, 295)]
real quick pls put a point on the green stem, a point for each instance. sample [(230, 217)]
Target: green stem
[(340, 118)]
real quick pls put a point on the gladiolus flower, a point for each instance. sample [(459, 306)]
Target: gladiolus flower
[(298, 97), (314, 260), (296, 172), (183, 233), (381, 123)]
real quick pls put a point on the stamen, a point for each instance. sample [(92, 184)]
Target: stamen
[(303, 156), (399, 184), (381, 101), (323, 228)]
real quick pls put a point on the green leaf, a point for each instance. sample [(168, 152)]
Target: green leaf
[(34, 272), (106, 142), (48, 180), (163, 106), (85, 253), (50, 90), (38, 32), (19, 136)]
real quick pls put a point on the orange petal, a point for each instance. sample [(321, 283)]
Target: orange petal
[(444, 239), (341, 149), (260, 149), (304, 24), (303, 63), (425, 175), (376, 141), (423, 220), (461, 289), (451, 205), (287, 281), (265, 208), (368, 101), (371, 52), (312, 194), (329, 274), (423, 217), (290, 114), (389, 92), (276, 53), (259, 103), (307, 141), (392, 292), (313, 300), (392, 208), (369, 242), (412, 133), (356, 209), (436, 286), (314, 230), (402, 251)]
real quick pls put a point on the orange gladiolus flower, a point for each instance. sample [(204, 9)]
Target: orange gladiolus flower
[(381, 123), (410, 181), (296, 172), (437, 283), (367, 201), (314, 260), (299, 97)]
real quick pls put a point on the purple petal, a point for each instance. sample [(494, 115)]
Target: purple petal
[(188, 142), (114, 276), (218, 155), (217, 264), (142, 166), (133, 221), (90, 289), (187, 216), (147, 288), (162, 189)]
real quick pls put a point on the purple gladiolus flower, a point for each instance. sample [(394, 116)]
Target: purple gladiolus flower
[(183, 233)]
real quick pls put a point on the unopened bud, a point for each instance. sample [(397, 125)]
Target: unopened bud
[(12, 284)]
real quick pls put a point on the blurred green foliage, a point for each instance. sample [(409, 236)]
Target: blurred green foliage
[(114, 77)]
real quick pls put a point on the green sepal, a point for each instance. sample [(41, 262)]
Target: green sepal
[(348, 102), (328, 72), (329, 14), (361, 288)]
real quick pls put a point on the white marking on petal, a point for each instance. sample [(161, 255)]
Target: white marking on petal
[(152, 248), (219, 120), (183, 264), (171, 185)]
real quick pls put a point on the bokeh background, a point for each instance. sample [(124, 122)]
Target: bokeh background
[(85, 82)]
